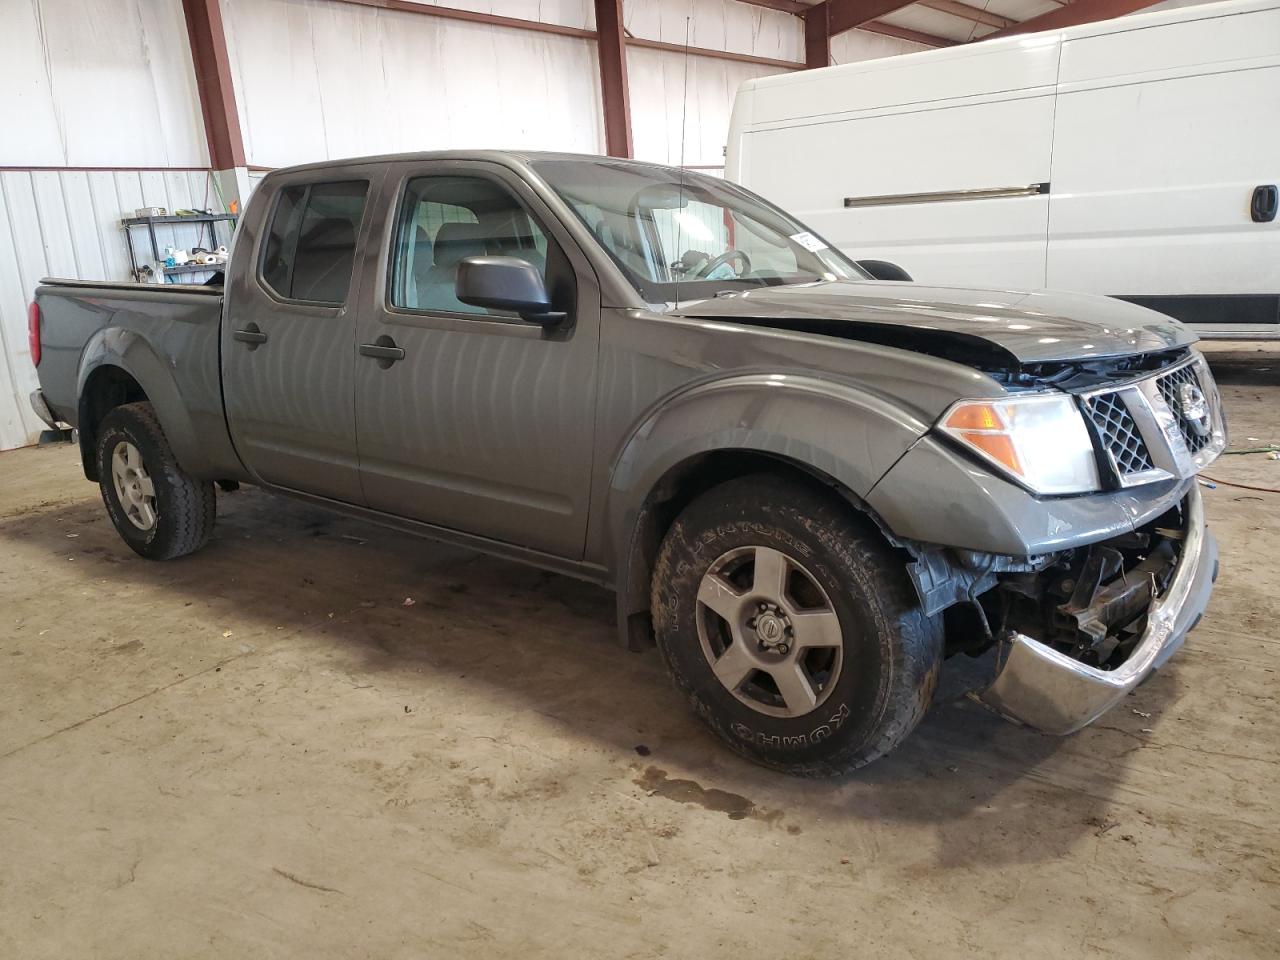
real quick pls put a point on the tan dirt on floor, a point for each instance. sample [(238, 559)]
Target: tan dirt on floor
[(261, 751)]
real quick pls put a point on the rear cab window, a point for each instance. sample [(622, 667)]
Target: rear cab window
[(310, 247)]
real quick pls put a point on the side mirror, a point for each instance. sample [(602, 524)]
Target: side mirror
[(506, 283), (884, 270)]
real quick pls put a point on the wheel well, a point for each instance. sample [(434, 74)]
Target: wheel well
[(679, 487), (107, 388)]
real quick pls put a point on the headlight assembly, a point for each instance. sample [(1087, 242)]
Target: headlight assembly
[(1039, 440)]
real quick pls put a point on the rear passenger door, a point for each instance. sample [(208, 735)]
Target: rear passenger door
[(478, 421), (288, 347)]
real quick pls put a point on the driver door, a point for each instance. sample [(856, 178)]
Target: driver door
[(468, 419)]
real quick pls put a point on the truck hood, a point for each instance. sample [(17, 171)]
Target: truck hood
[(977, 326)]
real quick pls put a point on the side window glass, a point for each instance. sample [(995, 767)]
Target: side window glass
[(447, 219), (310, 247)]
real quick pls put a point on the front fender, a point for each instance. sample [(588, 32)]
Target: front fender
[(938, 495), (132, 353), (833, 429)]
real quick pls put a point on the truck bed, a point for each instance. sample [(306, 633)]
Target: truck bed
[(165, 337)]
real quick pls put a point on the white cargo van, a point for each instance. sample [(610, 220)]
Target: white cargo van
[(1136, 157)]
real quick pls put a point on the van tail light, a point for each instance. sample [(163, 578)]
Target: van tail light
[(33, 331)]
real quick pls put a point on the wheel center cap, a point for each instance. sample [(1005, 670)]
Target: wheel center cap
[(769, 628)]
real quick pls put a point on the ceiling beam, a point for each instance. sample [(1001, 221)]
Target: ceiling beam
[(1082, 11), (471, 16), (713, 53), (965, 12), (842, 15), (782, 6), (904, 33)]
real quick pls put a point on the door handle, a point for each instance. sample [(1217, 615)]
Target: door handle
[(384, 350), (1266, 200), (251, 335)]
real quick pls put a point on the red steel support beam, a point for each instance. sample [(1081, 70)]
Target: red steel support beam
[(612, 46), (817, 37), (1081, 11), (213, 81), (471, 16), (714, 54)]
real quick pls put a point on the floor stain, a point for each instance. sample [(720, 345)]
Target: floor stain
[(734, 806)]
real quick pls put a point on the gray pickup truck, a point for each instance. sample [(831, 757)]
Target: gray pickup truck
[(807, 485)]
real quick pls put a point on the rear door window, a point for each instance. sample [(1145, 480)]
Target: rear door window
[(310, 248)]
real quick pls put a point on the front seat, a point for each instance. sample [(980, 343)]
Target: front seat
[(454, 242)]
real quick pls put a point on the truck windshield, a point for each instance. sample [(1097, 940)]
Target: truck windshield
[(690, 237)]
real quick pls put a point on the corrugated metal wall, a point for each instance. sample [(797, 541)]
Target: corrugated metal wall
[(106, 84), (320, 80), (109, 84)]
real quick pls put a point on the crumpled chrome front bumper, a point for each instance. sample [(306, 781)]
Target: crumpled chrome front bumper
[(1048, 690)]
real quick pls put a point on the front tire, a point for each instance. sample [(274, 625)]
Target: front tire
[(157, 507), (792, 628)]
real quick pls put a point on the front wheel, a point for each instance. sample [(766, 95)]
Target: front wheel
[(157, 507), (792, 628)]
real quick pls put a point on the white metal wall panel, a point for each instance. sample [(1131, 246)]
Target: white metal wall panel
[(853, 46), (717, 25), (657, 83), (66, 223), (101, 84), (317, 80)]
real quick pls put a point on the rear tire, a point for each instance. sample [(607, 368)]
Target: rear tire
[(157, 507), (823, 674)]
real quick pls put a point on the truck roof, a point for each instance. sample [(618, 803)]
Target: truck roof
[(496, 156)]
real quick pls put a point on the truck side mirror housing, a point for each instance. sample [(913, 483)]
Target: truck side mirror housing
[(506, 283), (884, 270)]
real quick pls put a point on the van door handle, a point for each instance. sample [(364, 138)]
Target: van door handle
[(384, 350), (1266, 199), (251, 335)]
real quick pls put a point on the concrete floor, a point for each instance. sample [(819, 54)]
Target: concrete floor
[(261, 751)]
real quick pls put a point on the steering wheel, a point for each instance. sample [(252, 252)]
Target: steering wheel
[(733, 253)]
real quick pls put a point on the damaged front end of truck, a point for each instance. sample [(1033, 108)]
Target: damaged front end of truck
[(1076, 629)]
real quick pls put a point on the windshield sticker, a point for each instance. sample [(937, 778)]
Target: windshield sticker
[(809, 242)]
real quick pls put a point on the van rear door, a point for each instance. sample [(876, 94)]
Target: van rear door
[(1162, 138)]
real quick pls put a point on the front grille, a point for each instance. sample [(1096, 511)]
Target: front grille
[(1119, 434), (1168, 386)]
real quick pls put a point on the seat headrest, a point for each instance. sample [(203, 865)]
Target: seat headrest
[(456, 241), (331, 233)]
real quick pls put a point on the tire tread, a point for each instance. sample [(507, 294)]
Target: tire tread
[(190, 512), (917, 652)]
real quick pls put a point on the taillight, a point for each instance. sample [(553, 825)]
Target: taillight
[(33, 331)]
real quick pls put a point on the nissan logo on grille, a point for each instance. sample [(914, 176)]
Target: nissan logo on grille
[(1194, 408)]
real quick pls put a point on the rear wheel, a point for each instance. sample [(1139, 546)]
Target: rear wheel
[(792, 628), (157, 508)]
